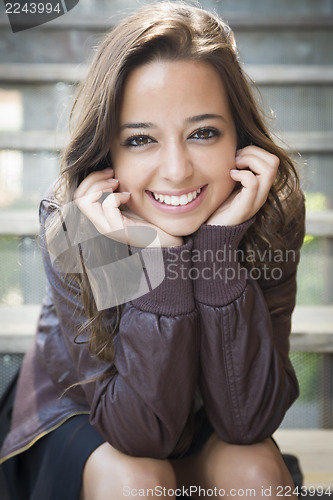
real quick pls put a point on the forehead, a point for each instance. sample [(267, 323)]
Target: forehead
[(162, 88)]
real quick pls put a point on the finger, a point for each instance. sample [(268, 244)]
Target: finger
[(248, 193), (258, 164), (254, 192), (83, 202), (96, 191), (107, 186), (259, 160), (105, 216), (247, 179), (114, 200), (265, 172), (113, 215), (91, 179), (91, 207), (268, 157)]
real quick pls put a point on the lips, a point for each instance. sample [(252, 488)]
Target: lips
[(172, 204), (175, 200)]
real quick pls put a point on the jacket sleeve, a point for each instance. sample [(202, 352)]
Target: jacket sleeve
[(142, 409), (247, 381)]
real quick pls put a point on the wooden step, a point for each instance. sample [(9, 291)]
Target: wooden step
[(312, 328), (35, 72), (26, 223), (314, 450), (49, 140), (37, 140), (98, 21), (274, 74), (19, 222), (263, 74)]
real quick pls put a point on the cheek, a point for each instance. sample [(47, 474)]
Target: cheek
[(123, 172), (222, 183), (218, 171), (218, 161), (132, 179)]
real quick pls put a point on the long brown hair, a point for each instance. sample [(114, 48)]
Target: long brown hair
[(172, 31)]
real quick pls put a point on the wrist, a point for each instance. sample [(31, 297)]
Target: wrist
[(220, 278), (170, 288)]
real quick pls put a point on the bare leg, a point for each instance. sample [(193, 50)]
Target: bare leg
[(256, 471), (112, 475)]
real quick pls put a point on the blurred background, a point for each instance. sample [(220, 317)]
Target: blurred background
[(286, 48)]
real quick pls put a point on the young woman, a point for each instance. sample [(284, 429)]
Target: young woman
[(183, 384)]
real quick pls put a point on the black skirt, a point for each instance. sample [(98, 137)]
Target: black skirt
[(52, 468)]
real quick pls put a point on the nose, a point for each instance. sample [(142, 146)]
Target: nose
[(175, 162)]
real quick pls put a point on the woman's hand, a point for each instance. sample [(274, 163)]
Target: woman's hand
[(110, 220), (255, 171)]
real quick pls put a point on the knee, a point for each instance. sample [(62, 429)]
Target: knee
[(151, 476), (252, 466), (265, 467), (261, 465), (107, 470)]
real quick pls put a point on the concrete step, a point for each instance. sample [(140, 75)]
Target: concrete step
[(312, 328), (274, 46), (254, 8), (301, 98), (23, 281), (48, 140), (39, 140), (261, 39), (316, 174), (297, 108), (239, 20), (25, 223), (33, 159), (262, 74), (282, 8), (42, 106), (314, 450)]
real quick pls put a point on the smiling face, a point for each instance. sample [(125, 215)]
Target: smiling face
[(175, 145)]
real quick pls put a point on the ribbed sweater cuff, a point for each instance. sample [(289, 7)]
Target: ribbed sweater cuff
[(167, 272), (219, 278)]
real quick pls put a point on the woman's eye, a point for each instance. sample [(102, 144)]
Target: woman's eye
[(138, 140), (205, 133)]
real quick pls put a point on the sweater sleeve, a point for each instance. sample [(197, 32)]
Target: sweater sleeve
[(143, 407), (246, 379)]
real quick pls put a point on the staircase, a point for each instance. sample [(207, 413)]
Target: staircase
[(286, 47)]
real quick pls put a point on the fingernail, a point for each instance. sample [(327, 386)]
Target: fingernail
[(234, 171), (126, 192), (108, 170), (112, 180)]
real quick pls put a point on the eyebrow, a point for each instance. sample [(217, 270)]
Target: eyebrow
[(191, 119), (205, 116), (136, 125)]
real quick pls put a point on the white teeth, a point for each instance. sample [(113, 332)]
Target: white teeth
[(183, 199)]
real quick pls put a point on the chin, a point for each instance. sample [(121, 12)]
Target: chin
[(180, 229)]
